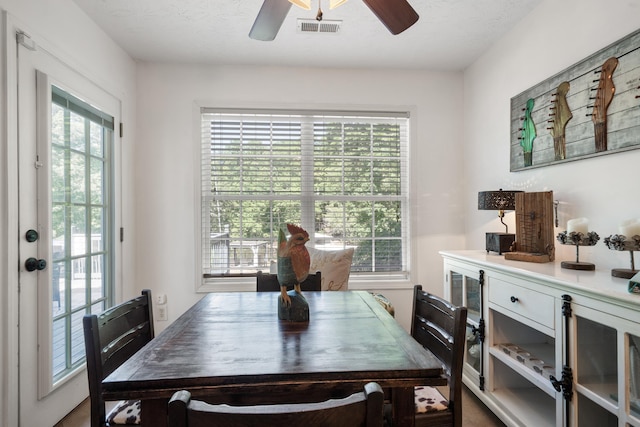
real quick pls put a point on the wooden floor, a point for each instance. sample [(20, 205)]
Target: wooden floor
[(474, 414)]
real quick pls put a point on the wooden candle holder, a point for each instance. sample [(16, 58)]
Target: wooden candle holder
[(619, 242), (578, 239)]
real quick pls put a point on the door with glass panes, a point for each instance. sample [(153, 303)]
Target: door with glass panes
[(66, 212)]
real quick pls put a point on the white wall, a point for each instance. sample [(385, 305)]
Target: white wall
[(65, 31), (169, 141), (460, 145), (556, 35), (60, 27)]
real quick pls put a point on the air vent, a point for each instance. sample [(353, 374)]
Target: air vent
[(313, 26)]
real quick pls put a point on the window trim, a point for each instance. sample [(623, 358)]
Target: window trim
[(357, 281)]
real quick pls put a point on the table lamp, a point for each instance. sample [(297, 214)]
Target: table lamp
[(498, 201)]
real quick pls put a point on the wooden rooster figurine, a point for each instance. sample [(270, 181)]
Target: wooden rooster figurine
[(293, 260)]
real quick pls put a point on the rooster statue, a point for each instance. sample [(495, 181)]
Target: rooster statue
[(293, 261)]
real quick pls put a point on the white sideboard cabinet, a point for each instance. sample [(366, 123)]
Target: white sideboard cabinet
[(548, 346)]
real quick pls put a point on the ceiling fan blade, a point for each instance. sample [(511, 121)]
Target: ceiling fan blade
[(396, 15), (269, 19)]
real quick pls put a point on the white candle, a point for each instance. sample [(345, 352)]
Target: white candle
[(630, 228), (578, 225)]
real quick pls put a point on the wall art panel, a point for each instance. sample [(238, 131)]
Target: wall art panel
[(592, 108)]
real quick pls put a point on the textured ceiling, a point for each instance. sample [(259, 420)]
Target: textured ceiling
[(449, 35)]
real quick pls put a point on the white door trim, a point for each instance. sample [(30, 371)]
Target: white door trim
[(9, 256)]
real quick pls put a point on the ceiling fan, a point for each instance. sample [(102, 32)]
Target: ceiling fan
[(396, 15)]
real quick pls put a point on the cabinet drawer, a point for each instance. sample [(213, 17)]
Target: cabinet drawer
[(533, 305)]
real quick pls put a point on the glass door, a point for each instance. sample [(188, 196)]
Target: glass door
[(465, 289), (607, 368), (634, 377), (66, 215)]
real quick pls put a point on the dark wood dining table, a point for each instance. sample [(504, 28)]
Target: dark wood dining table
[(231, 348)]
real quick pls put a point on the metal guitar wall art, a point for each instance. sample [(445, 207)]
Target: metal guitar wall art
[(589, 109)]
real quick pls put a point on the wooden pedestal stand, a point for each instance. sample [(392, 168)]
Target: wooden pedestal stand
[(619, 242), (534, 228), (578, 239)]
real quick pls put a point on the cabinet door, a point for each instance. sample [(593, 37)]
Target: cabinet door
[(633, 345), (606, 362), (464, 288)]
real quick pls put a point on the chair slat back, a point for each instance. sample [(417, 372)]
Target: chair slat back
[(440, 327), (363, 409), (266, 282), (111, 338)]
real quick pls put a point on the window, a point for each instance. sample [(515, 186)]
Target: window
[(341, 176), (81, 215)]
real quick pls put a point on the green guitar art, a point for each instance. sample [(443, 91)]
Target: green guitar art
[(528, 133)]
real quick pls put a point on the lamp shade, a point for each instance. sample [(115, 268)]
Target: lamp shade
[(497, 200)]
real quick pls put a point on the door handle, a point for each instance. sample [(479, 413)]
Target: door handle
[(31, 236), (32, 264)]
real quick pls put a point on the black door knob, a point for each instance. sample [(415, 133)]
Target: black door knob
[(32, 264), (31, 236)]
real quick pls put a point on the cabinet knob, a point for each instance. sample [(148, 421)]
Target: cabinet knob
[(514, 299)]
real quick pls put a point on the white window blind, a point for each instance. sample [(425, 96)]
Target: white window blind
[(340, 175)]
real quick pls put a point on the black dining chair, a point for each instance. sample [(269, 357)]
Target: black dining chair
[(110, 338), (266, 282), (440, 327), (362, 409)]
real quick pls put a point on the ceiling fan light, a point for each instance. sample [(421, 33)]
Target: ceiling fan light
[(305, 4), (335, 3)]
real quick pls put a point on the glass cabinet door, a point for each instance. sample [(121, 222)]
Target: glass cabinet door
[(607, 369), (465, 290), (596, 373), (634, 377), (473, 301), (456, 281), (474, 324)]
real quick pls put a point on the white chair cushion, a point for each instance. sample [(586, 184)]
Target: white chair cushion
[(429, 399), (126, 412), (335, 267)]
